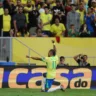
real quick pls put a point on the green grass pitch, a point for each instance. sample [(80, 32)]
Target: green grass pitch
[(36, 92)]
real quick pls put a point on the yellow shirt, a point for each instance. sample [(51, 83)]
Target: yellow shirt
[(1, 11), (14, 2), (26, 14), (33, 2), (46, 18), (58, 29), (81, 16), (52, 3), (51, 63), (86, 1), (6, 22), (24, 2)]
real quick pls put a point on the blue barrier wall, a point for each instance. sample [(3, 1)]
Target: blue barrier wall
[(30, 77)]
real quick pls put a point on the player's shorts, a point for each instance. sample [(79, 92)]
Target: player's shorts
[(49, 83)]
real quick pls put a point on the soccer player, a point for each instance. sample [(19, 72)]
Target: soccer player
[(51, 63)]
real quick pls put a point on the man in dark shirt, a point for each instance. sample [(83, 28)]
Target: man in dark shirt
[(33, 21), (20, 22), (62, 61), (58, 8), (81, 60)]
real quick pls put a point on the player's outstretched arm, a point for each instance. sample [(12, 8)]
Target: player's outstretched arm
[(34, 58), (54, 46)]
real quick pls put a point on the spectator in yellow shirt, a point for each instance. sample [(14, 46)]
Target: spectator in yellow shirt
[(33, 2), (24, 2), (82, 12), (52, 3), (1, 13), (1, 9), (45, 20), (28, 9), (6, 23), (58, 29)]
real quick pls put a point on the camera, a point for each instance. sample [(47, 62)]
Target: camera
[(82, 57)]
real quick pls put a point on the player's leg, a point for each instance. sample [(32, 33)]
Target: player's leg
[(43, 82), (48, 85), (56, 88)]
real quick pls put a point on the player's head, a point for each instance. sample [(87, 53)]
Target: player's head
[(62, 60), (51, 53)]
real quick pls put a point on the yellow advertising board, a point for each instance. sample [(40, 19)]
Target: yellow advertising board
[(68, 47)]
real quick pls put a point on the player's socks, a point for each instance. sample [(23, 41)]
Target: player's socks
[(54, 89), (43, 84)]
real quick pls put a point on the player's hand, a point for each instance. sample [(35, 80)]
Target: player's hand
[(53, 41), (27, 56)]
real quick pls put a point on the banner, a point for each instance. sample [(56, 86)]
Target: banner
[(31, 76)]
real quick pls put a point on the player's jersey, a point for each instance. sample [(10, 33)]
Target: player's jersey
[(51, 63)]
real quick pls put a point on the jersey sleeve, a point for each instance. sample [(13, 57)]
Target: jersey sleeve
[(44, 59)]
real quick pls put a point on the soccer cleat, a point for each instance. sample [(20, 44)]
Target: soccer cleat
[(42, 90), (62, 88)]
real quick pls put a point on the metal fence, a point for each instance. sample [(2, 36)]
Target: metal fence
[(5, 49)]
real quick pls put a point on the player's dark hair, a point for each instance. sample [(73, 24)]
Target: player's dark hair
[(62, 57), (53, 52)]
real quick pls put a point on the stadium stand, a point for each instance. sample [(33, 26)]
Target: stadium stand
[(21, 18)]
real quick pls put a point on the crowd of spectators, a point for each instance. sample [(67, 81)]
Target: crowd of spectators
[(48, 18)]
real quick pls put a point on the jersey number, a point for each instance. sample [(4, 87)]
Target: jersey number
[(54, 65)]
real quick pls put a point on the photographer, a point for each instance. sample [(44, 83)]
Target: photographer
[(81, 60), (62, 61)]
